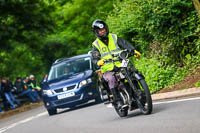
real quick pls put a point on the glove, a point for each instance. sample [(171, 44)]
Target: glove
[(100, 62), (137, 54)]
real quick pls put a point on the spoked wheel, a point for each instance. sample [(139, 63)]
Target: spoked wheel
[(124, 98), (144, 101), (99, 98), (121, 112)]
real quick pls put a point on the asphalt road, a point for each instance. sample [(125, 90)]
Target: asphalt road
[(175, 116)]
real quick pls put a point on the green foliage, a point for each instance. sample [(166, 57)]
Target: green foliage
[(34, 33), (23, 25), (74, 35), (22, 65), (166, 31), (157, 77), (197, 84), (23, 20), (160, 26)]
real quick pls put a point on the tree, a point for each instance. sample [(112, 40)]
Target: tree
[(23, 25), (197, 6)]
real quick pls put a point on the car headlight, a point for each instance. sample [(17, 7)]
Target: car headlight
[(89, 80), (84, 82), (48, 92)]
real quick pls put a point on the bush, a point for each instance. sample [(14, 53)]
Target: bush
[(166, 31), (169, 25), (197, 84), (157, 77)]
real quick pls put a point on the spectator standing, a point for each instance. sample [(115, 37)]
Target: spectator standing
[(6, 86), (21, 91), (43, 81), (45, 78)]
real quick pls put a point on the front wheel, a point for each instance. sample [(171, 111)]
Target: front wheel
[(144, 101), (121, 113), (52, 111), (124, 96)]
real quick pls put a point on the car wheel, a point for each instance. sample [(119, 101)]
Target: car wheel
[(52, 111)]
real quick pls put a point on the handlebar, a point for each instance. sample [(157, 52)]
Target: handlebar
[(124, 54)]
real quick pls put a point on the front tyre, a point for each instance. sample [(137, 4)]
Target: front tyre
[(52, 111), (121, 113), (145, 101), (124, 99)]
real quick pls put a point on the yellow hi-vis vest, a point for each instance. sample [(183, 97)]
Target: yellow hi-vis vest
[(37, 87), (106, 51)]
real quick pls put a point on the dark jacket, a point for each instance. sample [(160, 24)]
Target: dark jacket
[(1, 92), (19, 86), (7, 87), (33, 82), (123, 44), (26, 86)]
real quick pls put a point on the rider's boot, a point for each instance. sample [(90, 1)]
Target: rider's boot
[(116, 98)]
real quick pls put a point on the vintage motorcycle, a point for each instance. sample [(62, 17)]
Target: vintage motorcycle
[(132, 87)]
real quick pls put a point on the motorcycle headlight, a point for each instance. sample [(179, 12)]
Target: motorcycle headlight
[(48, 92), (123, 55)]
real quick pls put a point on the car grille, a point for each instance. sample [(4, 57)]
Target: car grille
[(68, 99), (68, 88)]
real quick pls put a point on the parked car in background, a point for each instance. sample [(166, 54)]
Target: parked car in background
[(71, 81)]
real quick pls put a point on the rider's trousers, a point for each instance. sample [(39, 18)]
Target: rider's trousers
[(110, 78)]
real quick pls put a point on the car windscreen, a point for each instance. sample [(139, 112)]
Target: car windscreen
[(70, 67)]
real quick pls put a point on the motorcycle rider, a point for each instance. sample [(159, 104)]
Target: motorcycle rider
[(105, 45)]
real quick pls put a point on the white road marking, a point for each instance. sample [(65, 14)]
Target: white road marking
[(164, 102), (21, 122), (175, 101), (109, 106)]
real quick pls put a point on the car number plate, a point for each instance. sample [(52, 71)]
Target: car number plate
[(66, 95)]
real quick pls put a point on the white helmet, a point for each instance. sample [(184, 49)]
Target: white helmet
[(31, 76)]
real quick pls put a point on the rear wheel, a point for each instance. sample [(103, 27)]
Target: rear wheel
[(99, 98), (144, 101), (52, 111)]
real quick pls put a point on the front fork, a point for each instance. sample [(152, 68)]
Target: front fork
[(138, 77)]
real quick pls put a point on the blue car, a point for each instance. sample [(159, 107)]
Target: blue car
[(71, 81)]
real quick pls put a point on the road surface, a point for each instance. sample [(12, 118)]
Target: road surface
[(174, 116)]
